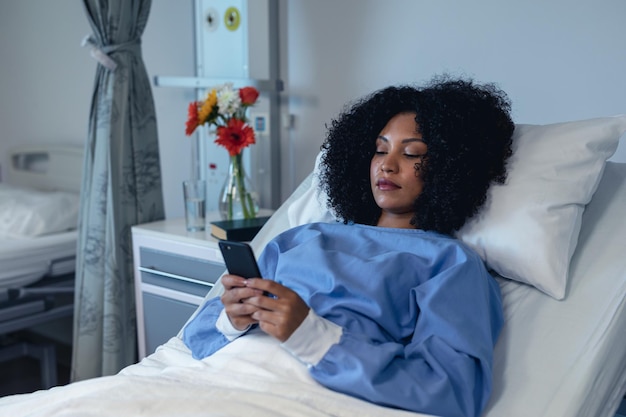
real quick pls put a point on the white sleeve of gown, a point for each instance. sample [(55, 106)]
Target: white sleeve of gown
[(224, 325), (312, 339)]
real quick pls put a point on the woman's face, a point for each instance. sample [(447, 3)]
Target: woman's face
[(395, 181)]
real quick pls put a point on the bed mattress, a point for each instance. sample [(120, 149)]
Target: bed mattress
[(566, 358), (24, 261)]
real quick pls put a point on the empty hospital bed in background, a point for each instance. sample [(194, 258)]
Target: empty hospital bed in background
[(39, 206)]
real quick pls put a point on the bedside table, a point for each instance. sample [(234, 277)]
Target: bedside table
[(174, 269)]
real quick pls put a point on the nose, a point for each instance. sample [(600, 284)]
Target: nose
[(388, 164)]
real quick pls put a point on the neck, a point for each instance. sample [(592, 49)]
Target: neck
[(398, 221)]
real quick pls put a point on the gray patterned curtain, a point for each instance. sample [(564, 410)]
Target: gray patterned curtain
[(121, 187)]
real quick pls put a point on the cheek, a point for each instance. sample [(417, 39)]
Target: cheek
[(415, 178), (373, 168)]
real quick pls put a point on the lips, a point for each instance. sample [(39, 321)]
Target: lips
[(386, 185)]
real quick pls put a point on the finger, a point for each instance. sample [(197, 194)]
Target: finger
[(238, 310), (261, 301), (271, 329), (269, 286), (275, 324), (239, 294), (231, 281), (240, 316)]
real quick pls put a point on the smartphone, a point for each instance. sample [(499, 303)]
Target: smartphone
[(239, 259)]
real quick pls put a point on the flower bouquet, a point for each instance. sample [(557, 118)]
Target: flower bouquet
[(225, 109)]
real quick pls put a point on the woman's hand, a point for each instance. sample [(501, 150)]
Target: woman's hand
[(235, 294), (278, 316)]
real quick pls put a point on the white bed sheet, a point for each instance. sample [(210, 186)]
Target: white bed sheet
[(24, 261), (255, 377)]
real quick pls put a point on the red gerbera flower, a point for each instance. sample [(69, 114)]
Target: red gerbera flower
[(235, 136), (192, 118), (248, 95)]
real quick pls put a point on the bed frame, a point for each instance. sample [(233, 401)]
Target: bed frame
[(43, 167), (47, 167)]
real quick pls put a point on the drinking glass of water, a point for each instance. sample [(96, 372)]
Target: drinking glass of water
[(195, 204)]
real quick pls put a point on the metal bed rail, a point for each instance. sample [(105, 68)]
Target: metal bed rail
[(23, 308)]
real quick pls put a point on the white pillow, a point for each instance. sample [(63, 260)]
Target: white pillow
[(312, 205), (29, 213), (529, 228)]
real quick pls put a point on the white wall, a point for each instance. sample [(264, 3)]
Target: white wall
[(558, 60), (168, 49), (46, 78)]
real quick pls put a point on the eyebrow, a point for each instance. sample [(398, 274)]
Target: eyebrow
[(407, 140)]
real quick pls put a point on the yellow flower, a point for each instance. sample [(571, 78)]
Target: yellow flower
[(207, 107)]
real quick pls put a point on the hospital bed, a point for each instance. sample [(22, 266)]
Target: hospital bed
[(39, 206), (562, 351)]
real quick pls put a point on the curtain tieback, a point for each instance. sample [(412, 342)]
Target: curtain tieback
[(101, 53)]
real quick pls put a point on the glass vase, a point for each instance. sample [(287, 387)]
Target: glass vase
[(237, 198)]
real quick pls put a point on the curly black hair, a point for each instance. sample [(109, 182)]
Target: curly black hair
[(467, 128)]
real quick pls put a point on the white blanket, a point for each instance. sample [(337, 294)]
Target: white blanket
[(251, 377), (26, 260)]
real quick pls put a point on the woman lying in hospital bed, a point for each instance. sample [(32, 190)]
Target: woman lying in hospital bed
[(386, 305), (391, 313)]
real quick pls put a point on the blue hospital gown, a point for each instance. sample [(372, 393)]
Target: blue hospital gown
[(419, 314)]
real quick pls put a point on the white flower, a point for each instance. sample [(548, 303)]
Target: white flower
[(228, 100)]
